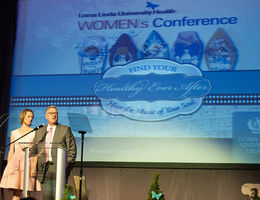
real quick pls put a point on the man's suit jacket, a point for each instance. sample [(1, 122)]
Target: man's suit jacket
[(62, 137)]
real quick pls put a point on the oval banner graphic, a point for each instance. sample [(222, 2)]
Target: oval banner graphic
[(152, 89)]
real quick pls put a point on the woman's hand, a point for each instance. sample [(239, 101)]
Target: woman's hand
[(33, 172)]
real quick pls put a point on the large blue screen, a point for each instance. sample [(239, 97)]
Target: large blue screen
[(150, 81)]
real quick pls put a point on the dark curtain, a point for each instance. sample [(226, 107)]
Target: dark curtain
[(8, 16)]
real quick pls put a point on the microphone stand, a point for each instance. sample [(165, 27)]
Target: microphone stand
[(3, 115), (35, 129), (3, 122), (81, 163)]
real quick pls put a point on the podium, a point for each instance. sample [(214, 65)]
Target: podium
[(26, 172), (60, 173)]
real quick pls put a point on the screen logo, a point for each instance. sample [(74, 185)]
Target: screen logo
[(151, 5)]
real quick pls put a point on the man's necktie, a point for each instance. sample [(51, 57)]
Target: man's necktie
[(47, 143)]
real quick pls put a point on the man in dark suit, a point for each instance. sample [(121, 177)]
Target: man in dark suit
[(44, 150)]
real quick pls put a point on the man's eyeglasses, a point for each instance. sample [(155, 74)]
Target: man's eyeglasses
[(53, 113)]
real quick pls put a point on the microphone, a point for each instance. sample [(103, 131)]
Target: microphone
[(38, 127)]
